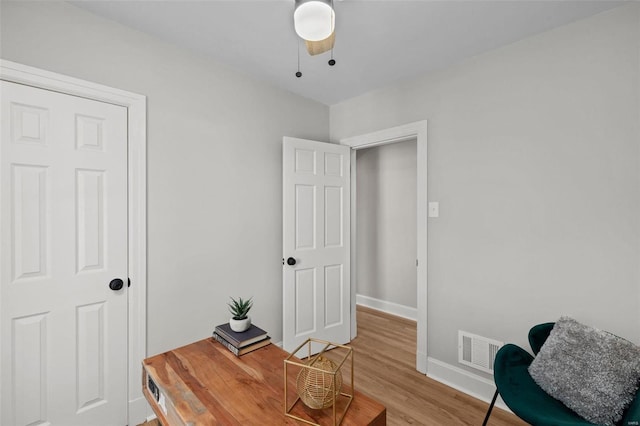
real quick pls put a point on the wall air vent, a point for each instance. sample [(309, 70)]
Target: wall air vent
[(477, 351)]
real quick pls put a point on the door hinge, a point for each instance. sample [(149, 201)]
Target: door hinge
[(416, 262), (128, 282)]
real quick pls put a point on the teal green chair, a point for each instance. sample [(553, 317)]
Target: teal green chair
[(526, 399)]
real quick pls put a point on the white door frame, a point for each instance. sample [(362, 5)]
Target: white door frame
[(418, 131), (137, 215)]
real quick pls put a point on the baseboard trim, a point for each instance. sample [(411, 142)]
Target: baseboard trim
[(421, 362), (388, 307), (464, 381)]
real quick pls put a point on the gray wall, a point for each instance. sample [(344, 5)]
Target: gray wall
[(214, 163), (534, 157), (386, 223)]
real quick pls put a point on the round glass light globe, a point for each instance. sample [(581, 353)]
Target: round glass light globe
[(314, 20)]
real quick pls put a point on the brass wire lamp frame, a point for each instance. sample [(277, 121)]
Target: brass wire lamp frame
[(294, 360)]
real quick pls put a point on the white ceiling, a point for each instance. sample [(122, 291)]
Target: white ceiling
[(377, 42)]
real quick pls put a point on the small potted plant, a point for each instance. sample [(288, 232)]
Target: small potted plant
[(239, 309)]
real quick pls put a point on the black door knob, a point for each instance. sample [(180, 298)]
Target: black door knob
[(116, 284), (291, 261)]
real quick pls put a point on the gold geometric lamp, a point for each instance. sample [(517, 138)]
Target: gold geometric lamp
[(318, 383)]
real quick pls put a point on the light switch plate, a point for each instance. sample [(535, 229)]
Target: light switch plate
[(434, 209)]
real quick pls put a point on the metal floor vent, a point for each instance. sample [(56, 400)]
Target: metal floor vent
[(477, 351)]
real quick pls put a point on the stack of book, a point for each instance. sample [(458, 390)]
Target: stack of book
[(241, 343)]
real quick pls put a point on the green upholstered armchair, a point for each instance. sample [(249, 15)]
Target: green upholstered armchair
[(526, 399)]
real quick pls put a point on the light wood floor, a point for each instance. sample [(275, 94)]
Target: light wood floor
[(385, 359), (385, 370)]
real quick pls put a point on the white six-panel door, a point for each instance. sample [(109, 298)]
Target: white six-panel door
[(63, 228), (316, 235)]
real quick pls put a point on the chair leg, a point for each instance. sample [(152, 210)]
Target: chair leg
[(493, 401)]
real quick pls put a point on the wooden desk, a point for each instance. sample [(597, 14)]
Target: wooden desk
[(205, 384)]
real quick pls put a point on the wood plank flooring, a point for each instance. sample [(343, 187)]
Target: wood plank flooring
[(385, 370), (385, 358)]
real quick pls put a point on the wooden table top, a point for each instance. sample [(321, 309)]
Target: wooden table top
[(208, 385)]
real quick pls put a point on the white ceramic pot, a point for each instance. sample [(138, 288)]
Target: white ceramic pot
[(240, 325)]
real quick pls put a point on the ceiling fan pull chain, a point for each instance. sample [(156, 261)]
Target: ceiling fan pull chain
[(298, 73), (332, 61)]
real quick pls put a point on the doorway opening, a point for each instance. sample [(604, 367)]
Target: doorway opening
[(386, 237), (417, 132)]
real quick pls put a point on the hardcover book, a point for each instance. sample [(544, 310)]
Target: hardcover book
[(240, 340), (244, 350)]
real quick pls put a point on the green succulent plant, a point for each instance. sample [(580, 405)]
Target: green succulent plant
[(240, 308)]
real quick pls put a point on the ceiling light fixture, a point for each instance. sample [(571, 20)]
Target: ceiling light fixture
[(314, 20)]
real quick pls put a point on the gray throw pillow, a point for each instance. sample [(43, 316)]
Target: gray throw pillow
[(594, 373)]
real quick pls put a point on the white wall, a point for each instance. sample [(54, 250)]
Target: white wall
[(214, 163), (534, 158), (386, 223)]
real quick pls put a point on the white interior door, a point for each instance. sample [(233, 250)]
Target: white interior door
[(63, 225), (316, 236)]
